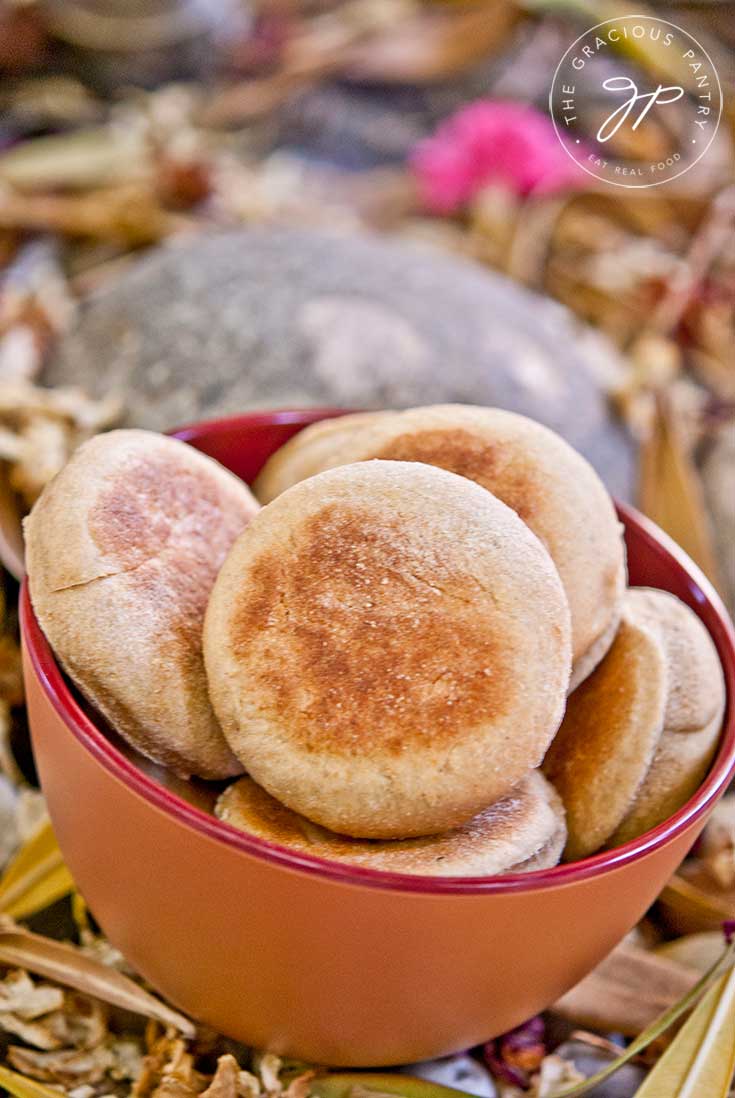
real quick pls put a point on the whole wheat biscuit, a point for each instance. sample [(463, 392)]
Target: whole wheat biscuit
[(696, 694), (387, 648), (122, 550), (679, 765), (608, 737), (694, 709), (639, 735), (522, 832), (309, 452), (530, 468)]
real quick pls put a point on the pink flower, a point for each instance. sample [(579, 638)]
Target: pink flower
[(491, 140)]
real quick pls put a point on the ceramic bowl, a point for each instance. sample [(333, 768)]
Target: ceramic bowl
[(322, 961)]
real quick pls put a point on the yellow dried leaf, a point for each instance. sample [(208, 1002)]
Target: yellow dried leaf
[(374, 1084), (36, 878), (701, 1059), (21, 1087), (79, 159), (658, 1027), (67, 965)]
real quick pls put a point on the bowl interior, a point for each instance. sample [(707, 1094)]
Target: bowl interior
[(243, 444)]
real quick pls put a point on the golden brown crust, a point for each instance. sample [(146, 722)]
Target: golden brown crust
[(123, 548), (608, 737), (523, 831), (696, 683), (307, 453), (679, 765), (660, 685), (386, 645), (380, 667), (694, 709), (588, 661), (550, 486)]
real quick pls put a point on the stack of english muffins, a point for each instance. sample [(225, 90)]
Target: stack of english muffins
[(420, 649)]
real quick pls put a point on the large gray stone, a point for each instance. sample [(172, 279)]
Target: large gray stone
[(277, 317)]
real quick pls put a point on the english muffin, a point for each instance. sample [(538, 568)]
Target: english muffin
[(122, 550), (521, 832), (695, 705), (388, 648), (530, 468), (309, 452), (640, 732)]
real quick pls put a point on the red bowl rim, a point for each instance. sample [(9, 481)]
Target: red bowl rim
[(123, 769)]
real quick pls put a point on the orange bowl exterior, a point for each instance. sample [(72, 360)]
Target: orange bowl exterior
[(325, 962)]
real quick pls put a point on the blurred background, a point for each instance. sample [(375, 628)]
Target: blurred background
[(206, 206), (211, 205)]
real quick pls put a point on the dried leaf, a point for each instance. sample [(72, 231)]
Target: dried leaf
[(627, 991), (33, 1033), (21, 355), (268, 1067), (68, 1067), (36, 878), (711, 238), (31, 812), (42, 102), (660, 1026), (687, 907), (67, 965), (431, 46), (694, 951), (716, 850), (79, 1023), (670, 491), (46, 445), (555, 1072), (701, 1058), (368, 1085), (11, 671), (225, 1083), (652, 56), (527, 256), (300, 1087), (19, 995), (168, 1070), (128, 214), (20, 1087), (78, 159), (12, 551), (230, 1081), (8, 804)]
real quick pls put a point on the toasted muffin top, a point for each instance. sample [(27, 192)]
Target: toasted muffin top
[(122, 549), (522, 831), (387, 648), (535, 472)]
